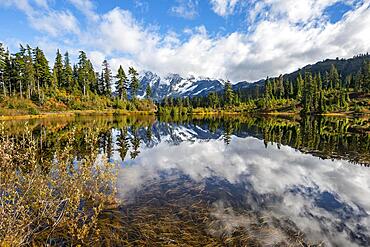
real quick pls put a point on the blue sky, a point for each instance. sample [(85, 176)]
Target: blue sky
[(230, 39)]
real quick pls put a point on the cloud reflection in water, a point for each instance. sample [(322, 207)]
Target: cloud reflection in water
[(328, 200)]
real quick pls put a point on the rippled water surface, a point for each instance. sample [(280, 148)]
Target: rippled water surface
[(233, 180)]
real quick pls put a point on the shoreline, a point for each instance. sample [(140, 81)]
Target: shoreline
[(200, 113), (72, 114)]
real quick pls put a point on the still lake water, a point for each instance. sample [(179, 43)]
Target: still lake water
[(271, 181)]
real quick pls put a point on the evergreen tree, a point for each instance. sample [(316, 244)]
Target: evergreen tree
[(228, 93), (2, 68), (134, 86), (29, 71), (42, 70), (82, 72), (75, 79), (299, 83), (307, 93), (148, 92), (58, 70), (18, 71), (67, 75), (107, 75), (291, 89), (334, 79), (213, 100), (121, 84), (280, 87), (101, 84)]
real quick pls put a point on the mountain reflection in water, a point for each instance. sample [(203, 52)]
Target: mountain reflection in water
[(218, 181)]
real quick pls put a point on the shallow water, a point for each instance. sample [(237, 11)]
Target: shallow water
[(233, 180)]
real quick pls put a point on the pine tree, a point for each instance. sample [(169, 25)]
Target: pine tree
[(101, 84), (291, 89), (121, 84), (67, 75), (42, 70), (29, 68), (307, 93), (107, 75), (91, 76), (58, 70), (280, 87), (334, 79), (300, 83), (18, 71), (148, 92), (82, 72), (75, 85), (134, 86), (268, 89), (2, 69), (228, 93)]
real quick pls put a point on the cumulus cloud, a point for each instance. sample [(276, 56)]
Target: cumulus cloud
[(187, 9), (274, 46), (281, 37)]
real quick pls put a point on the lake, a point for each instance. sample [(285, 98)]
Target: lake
[(227, 180)]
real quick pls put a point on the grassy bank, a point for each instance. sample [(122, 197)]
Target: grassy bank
[(109, 112), (18, 108)]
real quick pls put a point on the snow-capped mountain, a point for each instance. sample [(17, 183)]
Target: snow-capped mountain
[(173, 85), (176, 86)]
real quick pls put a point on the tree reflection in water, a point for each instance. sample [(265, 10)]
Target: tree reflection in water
[(179, 185)]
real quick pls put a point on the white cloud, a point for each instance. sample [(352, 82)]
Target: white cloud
[(223, 7), (46, 20), (274, 45), (55, 22), (187, 9), (279, 39)]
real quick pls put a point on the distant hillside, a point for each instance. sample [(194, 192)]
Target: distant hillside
[(173, 85), (345, 67)]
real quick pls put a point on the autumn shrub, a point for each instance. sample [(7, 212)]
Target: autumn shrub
[(59, 202)]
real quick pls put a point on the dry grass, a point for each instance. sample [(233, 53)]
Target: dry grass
[(56, 202)]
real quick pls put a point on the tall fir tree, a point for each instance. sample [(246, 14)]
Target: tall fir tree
[(83, 72), (29, 71), (107, 75), (42, 70), (121, 84), (135, 84), (58, 70), (228, 93), (334, 78), (67, 75), (148, 92), (2, 69), (299, 85)]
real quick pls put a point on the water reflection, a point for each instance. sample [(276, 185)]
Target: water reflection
[(325, 199), (233, 180)]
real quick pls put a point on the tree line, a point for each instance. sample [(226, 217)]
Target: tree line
[(310, 92), (27, 74)]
